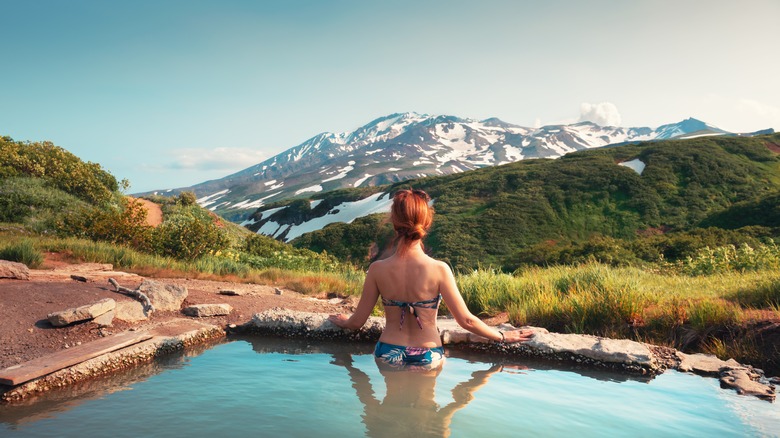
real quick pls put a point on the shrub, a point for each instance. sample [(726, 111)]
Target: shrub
[(708, 261), (187, 198), (121, 223), (186, 236)]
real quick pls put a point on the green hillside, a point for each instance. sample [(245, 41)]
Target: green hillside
[(492, 216), (47, 191)]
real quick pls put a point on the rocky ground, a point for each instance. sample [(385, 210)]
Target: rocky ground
[(25, 332)]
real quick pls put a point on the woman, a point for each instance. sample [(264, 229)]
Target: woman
[(411, 285)]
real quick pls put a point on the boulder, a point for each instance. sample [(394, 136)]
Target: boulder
[(130, 311), (18, 271), (164, 296), (202, 310), (82, 313), (106, 319)]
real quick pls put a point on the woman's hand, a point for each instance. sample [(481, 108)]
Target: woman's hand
[(518, 335), (339, 319)]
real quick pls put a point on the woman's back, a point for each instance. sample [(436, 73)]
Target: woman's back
[(415, 279)]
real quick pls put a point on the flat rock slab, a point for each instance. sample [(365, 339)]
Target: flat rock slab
[(605, 350), (705, 364), (24, 372), (308, 324), (82, 313), (14, 270), (204, 310), (745, 382), (164, 296), (88, 267)]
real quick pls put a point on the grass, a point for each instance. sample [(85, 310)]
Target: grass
[(666, 308), (22, 251)]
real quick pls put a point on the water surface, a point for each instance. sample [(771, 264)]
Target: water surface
[(272, 387)]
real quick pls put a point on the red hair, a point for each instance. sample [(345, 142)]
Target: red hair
[(411, 217)]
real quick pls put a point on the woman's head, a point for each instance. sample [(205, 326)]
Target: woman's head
[(411, 217)]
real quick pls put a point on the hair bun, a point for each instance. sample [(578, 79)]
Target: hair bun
[(416, 233)]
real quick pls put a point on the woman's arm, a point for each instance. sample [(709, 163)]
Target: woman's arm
[(464, 317), (367, 302)]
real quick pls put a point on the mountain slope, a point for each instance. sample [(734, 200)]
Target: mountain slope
[(399, 147), (486, 215)]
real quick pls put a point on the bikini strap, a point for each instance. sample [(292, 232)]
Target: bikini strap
[(427, 304)]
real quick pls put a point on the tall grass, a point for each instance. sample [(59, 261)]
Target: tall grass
[(22, 251), (670, 308)]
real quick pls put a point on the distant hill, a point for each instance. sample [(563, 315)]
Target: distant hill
[(405, 146), (486, 215)]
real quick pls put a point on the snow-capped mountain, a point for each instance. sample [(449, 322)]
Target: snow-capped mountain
[(410, 145)]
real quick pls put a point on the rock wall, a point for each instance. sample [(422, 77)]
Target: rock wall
[(621, 354)]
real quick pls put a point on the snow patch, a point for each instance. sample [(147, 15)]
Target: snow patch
[(342, 173), (636, 165), (513, 153), (207, 200), (314, 188), (247, 204), (362, 180), (347, 212), (269, 212)]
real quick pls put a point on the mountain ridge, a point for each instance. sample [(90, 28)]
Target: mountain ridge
[(402, 146)]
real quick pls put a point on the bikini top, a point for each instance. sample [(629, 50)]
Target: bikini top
[(433, 303)]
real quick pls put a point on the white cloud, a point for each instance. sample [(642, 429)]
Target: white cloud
[(602, 114), (226, 159)]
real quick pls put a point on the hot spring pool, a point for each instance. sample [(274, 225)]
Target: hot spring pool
[(274, 387)]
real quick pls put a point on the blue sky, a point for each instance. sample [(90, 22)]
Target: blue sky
[(170, 93)]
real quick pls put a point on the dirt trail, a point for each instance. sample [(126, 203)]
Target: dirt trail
[(154, 214)]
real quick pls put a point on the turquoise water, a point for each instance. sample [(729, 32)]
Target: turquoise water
[(271, 387)]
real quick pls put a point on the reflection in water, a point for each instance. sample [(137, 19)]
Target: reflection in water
[(409, 407)]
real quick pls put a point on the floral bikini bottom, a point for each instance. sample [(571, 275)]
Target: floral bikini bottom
[(401, 356)]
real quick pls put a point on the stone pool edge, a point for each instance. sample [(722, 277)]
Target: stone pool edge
[(616, 354), (168, 337)]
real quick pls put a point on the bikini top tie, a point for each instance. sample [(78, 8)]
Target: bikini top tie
[(433, 303)]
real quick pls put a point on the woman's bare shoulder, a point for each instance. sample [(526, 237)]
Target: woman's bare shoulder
[(378, 265), (440, 266)]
